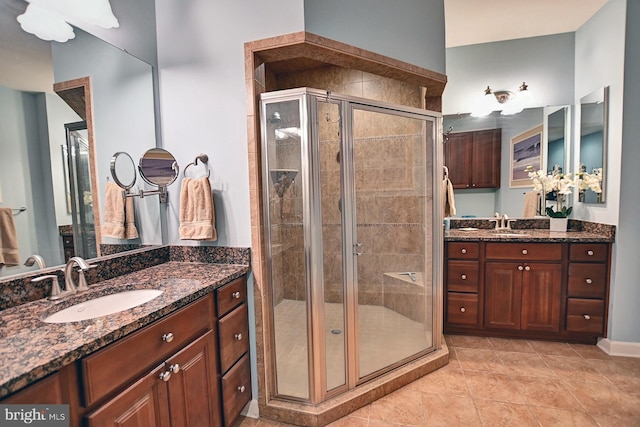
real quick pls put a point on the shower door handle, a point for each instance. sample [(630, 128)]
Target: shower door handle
[(355, 247)]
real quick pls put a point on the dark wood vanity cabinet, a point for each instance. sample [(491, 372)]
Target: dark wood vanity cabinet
[(189, 368), (537, 290), (473, 158)]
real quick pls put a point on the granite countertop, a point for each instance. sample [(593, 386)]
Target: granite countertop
[(30, 349), (524, 235)]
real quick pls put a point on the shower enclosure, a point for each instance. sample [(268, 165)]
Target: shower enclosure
[(352, 238)]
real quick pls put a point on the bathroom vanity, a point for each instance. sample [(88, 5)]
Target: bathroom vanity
[(527, 284), (179, 359)]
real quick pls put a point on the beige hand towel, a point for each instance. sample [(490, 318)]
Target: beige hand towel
[(114, 214), (8, 238), (197, 215), (449, 203), (531, 202)]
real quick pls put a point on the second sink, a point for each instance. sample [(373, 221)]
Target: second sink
[(103, 306)]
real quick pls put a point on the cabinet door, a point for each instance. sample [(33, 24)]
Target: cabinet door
[(457, 158), (144, 404), (485, 164), (541, 289), (503, 295), (193, 388)]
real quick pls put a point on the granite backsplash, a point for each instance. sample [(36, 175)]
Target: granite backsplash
[(605, 230)]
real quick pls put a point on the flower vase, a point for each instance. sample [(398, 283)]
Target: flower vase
[(558, 224)]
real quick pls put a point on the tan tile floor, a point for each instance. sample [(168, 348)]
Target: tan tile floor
[(505, 382)]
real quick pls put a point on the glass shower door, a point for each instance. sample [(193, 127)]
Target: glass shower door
[(392, 258)]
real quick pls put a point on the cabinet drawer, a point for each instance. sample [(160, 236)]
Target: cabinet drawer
[(595, 252), (234, 336), (231, 295), (110, 368), (236, 389), (585, 315), (587, 280), (462, 276), (462, 308), (525, 251), (463, 250)]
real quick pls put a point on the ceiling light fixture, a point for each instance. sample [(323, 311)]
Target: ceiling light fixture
[(503, 100), (51, 19)]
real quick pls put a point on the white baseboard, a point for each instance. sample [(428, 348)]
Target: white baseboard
[(251, 410), (619, 348)]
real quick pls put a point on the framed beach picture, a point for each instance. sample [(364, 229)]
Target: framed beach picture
[(525, 152)]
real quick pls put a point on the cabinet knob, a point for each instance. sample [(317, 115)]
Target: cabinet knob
[(462, 309), (175, 368), (165, 376), (241, 389), (464, 277), (520, 268), (587, 317), (588, 281), (590, 253), (238, 337), (236, 295), (527, 268), (168, 337), (524, 252), (464, 251)]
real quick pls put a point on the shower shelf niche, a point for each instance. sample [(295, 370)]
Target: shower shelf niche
[(282, 179)]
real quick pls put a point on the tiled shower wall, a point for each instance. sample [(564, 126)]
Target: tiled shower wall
[(391, 163)]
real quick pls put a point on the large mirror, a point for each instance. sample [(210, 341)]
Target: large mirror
[(556, 124), (593, 144), (34, 164)]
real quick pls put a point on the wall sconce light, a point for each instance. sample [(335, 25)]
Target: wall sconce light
[(503, 100), (49, 19)]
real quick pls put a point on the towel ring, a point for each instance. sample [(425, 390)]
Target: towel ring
[(203, 159)]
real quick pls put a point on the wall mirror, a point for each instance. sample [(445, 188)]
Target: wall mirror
[(557, 138), (123, 170), (33, 118), (594, 114), (158, 167)]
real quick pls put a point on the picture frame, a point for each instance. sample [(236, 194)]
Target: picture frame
[(525, 153)]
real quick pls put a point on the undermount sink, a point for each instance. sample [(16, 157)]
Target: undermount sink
[(103, 306)]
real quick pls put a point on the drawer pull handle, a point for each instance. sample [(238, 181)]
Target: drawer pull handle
[(587, 317), (241, 389), (175, 368), (520, 268), (236, 295), (462, 309), (464, 251), (464, 277), (167, 337), (590, 253), (524, 252), (527, 268), (238, 337), (165, 376), (588, 281)]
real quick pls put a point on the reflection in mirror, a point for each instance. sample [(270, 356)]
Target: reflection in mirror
[(32, 119), (123, 170), (593, 144), (158, 167)]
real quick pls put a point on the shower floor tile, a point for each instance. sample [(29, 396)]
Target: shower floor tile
[(385, 338)]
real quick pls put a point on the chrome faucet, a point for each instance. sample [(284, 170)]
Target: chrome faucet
[(68, 275), (35, 259), (502, 222)]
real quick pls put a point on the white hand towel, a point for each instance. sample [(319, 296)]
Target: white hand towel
[(8, 239), (113, 225), (197, 214), (449, 204), (531, 202)]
